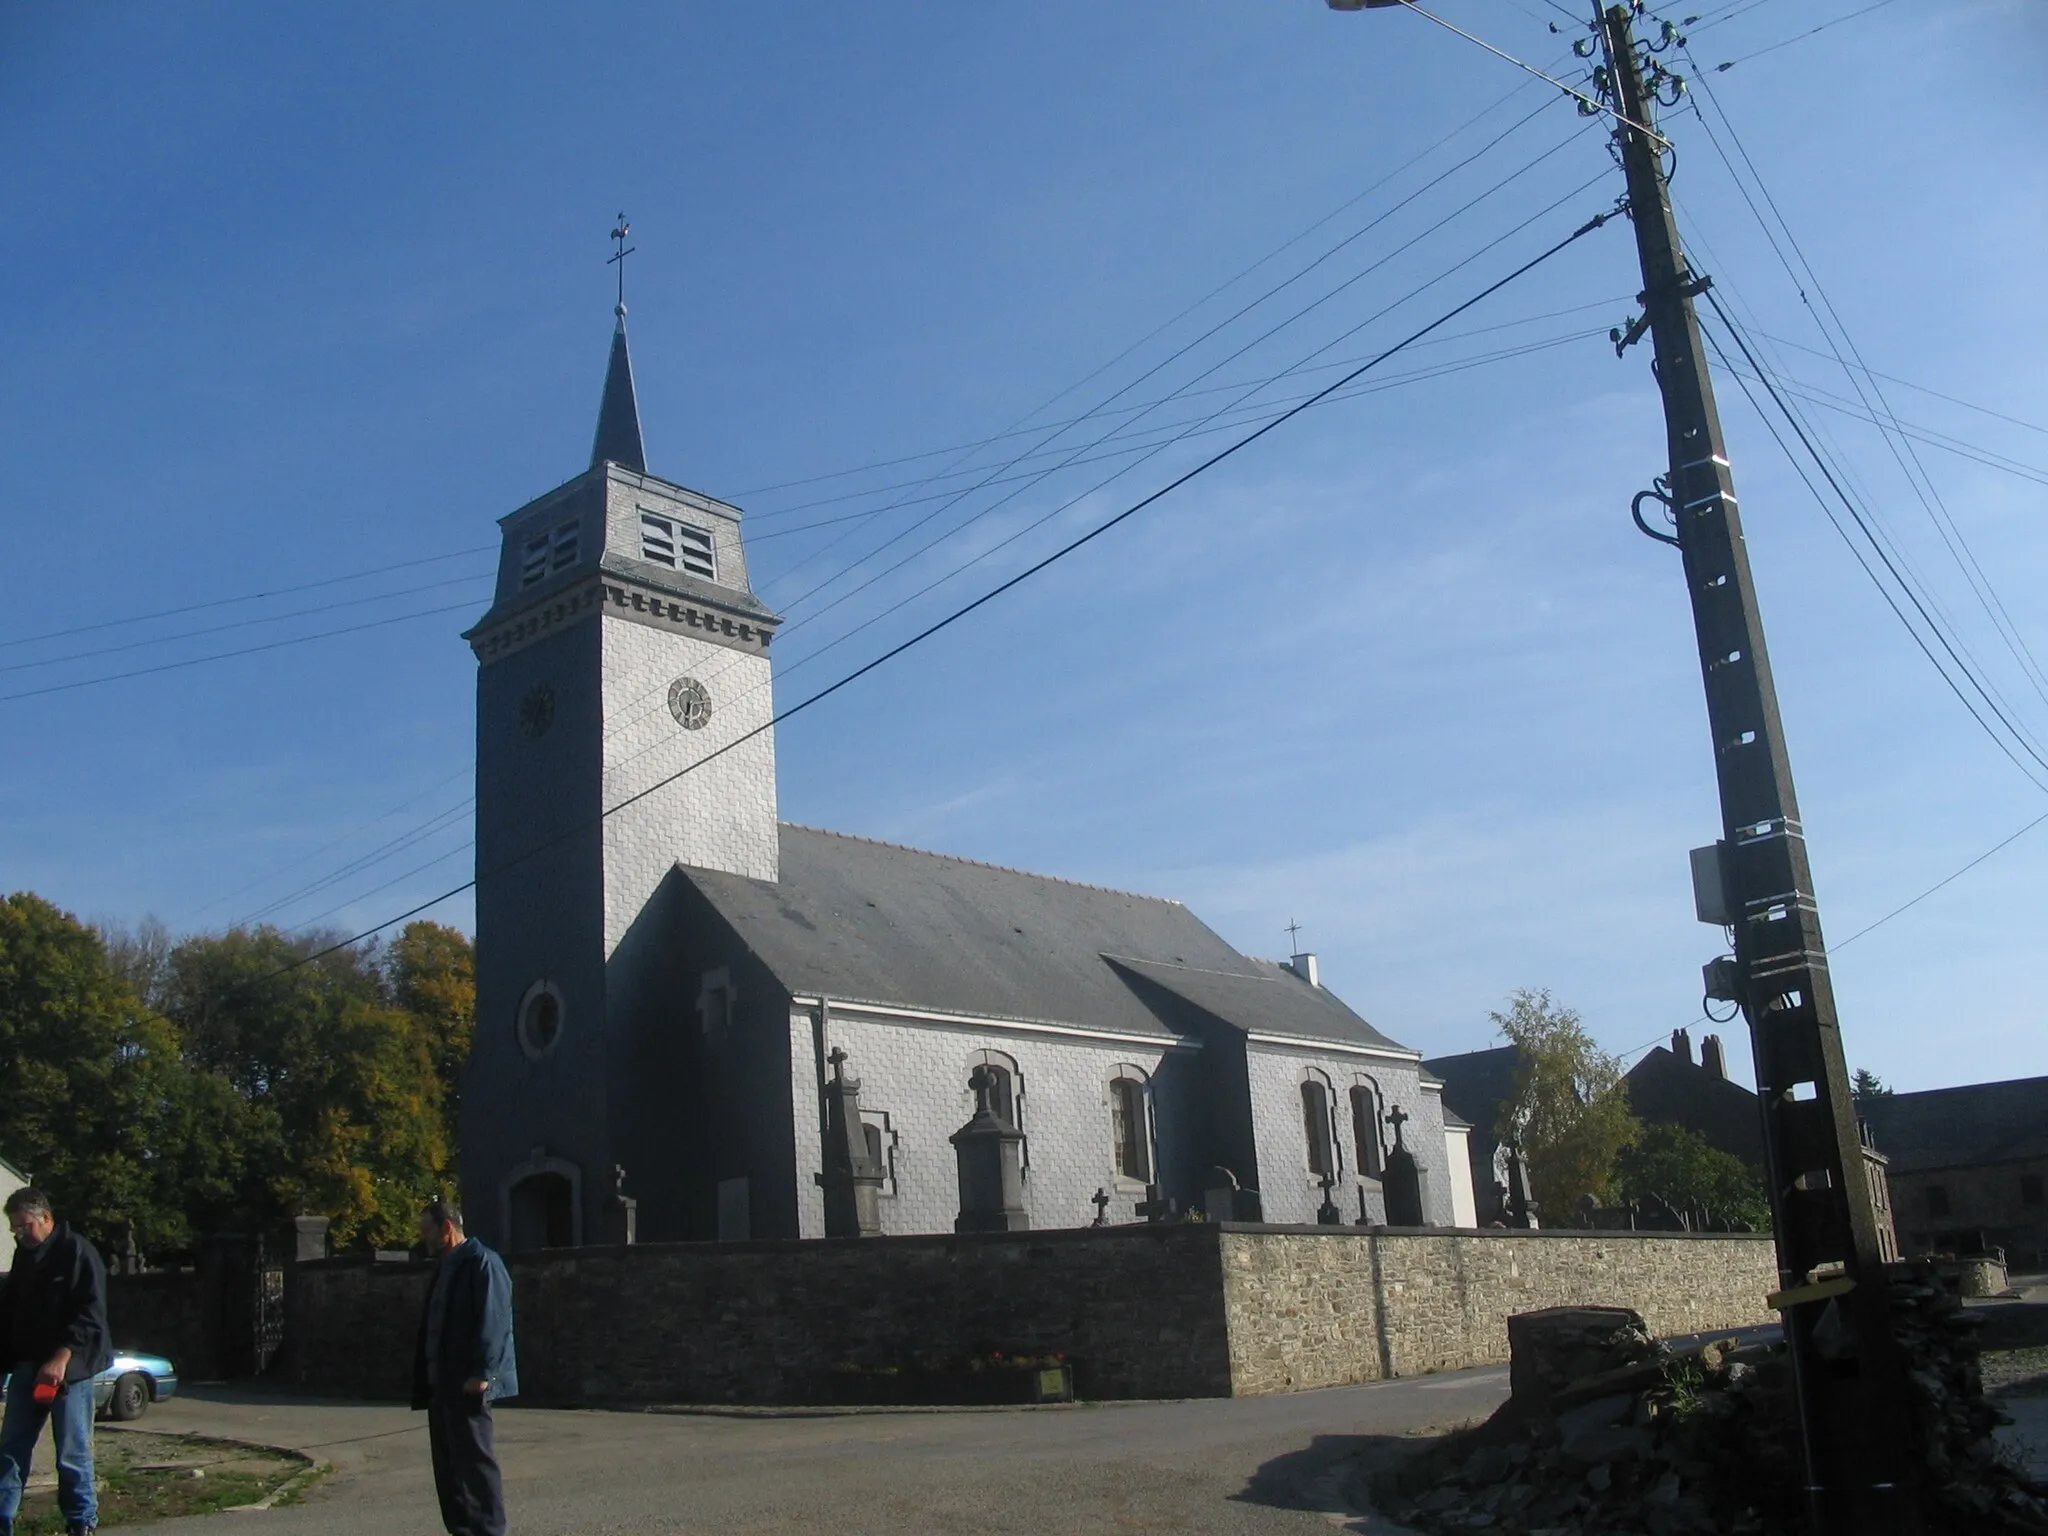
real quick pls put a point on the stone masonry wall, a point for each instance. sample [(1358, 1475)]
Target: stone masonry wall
[(1138, 1311), (1167, 1311), (1324, 1308)]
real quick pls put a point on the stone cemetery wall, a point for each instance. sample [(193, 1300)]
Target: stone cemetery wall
[(1324, 1307), (350, 1325), (1139, 1311), (166, 1313)]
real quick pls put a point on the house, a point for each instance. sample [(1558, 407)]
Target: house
[(1969, 1167)]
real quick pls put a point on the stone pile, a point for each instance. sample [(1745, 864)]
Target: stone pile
[(1609, 1431)]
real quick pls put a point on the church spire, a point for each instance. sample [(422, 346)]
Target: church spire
[(618, 414)]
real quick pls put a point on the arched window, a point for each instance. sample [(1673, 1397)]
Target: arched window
[(1006, 1087), (1365, 1130), (1315, 1125), (1129, 1130)]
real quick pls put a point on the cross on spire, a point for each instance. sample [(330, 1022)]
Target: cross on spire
[(618, 259), (1294, 936)]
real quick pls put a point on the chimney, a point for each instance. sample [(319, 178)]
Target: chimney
[(1681, 1045), (1306, 968), (1711, 1057)]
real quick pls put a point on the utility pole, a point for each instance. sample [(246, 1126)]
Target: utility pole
[(1853, 1398)]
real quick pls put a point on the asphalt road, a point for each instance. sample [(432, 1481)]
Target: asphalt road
[(1250, 1465)]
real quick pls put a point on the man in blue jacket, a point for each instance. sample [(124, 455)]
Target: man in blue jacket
[(53, 1341), (462, 1364)]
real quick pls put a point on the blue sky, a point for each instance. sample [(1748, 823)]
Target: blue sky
[(292, 300)]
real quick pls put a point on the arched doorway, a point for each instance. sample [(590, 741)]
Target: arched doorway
[(543, 1213)]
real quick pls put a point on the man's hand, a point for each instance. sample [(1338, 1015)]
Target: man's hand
[(52, 1373), (476, 1386)]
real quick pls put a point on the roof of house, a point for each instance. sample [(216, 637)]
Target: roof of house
[(1669, 1089), (874, 922), (1476, 1085), (1960, 1127)]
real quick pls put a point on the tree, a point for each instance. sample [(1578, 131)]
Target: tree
[(339, 1097), (1866, 1084), (432, 973), (1569, 1113), (92, 1079), (1683, 1169)]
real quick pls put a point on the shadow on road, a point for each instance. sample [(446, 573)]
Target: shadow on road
[(1329, 1475)]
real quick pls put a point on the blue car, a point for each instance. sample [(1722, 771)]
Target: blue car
[(126, 1388)]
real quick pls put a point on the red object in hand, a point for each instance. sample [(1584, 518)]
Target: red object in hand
[(46, 1392)]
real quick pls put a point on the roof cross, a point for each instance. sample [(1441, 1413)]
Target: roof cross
[(618, 258), (1294, 936)]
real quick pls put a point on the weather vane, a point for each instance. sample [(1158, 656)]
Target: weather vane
[(618, 258)]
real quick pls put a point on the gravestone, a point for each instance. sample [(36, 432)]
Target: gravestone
[(852, 1180), (990, 1158), (618, 1219), (1402, 1181)]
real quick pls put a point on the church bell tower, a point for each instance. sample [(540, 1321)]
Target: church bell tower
[(623, 708)]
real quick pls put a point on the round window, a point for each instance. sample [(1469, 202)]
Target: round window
[(540, 1019)]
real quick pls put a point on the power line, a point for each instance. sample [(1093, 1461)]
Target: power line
[(1996, 847), (962, 612), (407, 839), (1220, 325), (215, 629), (1801, 37), (1070, 502), (247, 597), (249, 650), (1590, 103), (652, 694), (1922, 485), (1893, 378), (1856, 514)]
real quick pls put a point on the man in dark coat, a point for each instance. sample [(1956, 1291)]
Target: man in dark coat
[(462, 1363), (53, 1341)]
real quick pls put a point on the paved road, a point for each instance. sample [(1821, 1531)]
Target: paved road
[(1222, 1466)]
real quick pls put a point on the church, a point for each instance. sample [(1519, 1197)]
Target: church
[(677, 993)]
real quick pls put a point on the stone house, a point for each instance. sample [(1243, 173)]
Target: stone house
[(665, 971), (1969, 1167)]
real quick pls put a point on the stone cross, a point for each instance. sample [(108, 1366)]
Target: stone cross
[(1327, 1214), (1100, 1201), (1397, 1117)]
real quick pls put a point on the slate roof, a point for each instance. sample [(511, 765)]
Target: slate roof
[(1960, 1127), (873, 922), (1476, 1085), (618, 411), (1259, 995), (1668, 1089)]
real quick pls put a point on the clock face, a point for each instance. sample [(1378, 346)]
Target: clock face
[(537, 710), (690, 702)]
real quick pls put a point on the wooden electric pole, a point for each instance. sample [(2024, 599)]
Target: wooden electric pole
[(1853, 1396)]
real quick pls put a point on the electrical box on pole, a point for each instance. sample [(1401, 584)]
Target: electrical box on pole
[(1853, 1395)]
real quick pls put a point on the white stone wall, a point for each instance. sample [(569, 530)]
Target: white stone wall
[(1288, 1192), (720, 816), (915, 1074), (1458, 1159)]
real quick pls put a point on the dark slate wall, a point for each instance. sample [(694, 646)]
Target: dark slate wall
[(1139, 1311), (537, 917)]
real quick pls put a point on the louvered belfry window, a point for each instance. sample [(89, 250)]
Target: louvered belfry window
[(676, 544), (533, 563)]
